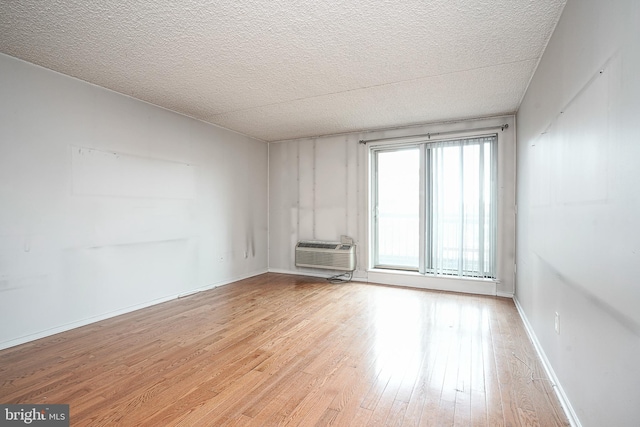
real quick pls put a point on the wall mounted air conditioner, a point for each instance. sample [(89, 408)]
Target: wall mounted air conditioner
[(329, 255)]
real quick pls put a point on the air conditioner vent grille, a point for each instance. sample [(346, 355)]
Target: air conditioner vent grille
[(317, 245), (327, 255)]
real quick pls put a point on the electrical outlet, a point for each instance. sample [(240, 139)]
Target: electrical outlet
[(557, 323)]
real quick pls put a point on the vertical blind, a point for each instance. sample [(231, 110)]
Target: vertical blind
[(435, 208)]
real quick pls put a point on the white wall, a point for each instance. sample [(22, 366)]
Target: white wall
[(313, 195), (108, 204), (319, 189), (578, 209)]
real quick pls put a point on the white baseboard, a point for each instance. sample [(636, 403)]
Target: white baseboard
[(408, 279), (80, 323), (358, 276), (300, 273), (104, 316), (416, 280), (504, 294), (562, 397), (223, 282)]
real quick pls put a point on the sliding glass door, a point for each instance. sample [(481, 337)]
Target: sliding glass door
[(434, 207)]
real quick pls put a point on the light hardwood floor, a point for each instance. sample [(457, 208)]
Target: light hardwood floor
[(291, 350)]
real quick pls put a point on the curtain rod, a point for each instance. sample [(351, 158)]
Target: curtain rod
[(429, 135)]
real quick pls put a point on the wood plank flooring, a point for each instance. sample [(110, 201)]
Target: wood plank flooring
[(291, 350)]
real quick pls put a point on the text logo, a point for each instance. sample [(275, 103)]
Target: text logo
[(34, 415)]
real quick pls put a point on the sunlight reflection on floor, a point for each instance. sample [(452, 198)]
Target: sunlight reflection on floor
[(399, 333), (405, 344)]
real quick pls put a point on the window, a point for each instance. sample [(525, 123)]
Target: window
[(434, 207)]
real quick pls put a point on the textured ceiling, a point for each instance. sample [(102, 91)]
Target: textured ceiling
[(285, 69)]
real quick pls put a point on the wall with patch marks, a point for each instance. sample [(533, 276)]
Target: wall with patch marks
[(315, 195), (319, 190), (108, 204), (578, 209)]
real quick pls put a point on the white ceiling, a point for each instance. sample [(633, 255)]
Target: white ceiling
[(286, 69)]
